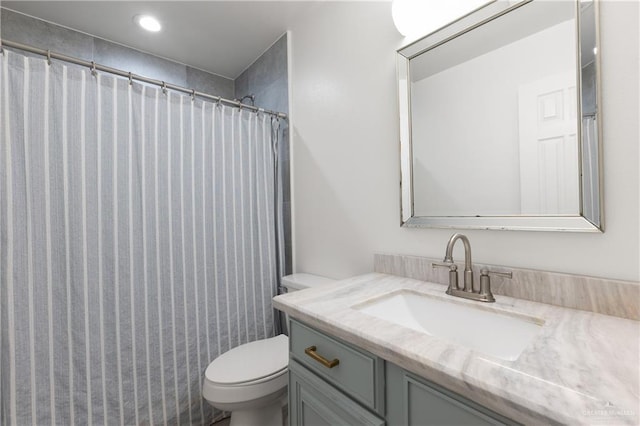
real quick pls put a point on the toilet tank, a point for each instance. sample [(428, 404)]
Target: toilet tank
[(301, 281), (295, 282)]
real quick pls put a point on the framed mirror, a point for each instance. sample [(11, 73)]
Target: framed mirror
[(499, 120)]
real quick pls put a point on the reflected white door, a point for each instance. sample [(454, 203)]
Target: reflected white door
[(549, 172)]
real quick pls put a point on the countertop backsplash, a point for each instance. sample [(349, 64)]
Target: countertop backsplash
[(604, 296)]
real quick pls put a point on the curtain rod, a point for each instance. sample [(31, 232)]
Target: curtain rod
[(94, 66)]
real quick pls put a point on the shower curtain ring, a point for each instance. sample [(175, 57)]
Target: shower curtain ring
[(219, 102), (193, 94), (164, 87), (94, 72), (49, 57), (130, 79)]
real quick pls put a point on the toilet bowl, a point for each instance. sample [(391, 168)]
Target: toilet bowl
[(251, 380)]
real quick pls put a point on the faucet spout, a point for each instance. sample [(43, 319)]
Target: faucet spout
[(448, 258), (484, 293)]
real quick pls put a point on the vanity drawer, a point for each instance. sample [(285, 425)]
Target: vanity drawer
[(357, 373)]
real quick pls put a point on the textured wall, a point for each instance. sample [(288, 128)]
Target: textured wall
[(346, 154), (267, 79), (45, 35)]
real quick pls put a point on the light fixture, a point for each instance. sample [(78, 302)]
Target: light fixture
[(148, 22), (415, 18)]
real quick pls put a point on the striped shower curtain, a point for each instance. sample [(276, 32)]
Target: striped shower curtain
[(137, 244), (590, 172)]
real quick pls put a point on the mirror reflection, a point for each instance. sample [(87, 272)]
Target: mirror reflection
[(494, 118)]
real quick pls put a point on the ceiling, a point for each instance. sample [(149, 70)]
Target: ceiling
[(223, 37)]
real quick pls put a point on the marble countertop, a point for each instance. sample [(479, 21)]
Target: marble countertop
[(581, 368)]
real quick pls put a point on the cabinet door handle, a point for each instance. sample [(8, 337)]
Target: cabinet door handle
[(311, 351)]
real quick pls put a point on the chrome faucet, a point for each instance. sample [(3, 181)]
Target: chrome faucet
[(484, 292)]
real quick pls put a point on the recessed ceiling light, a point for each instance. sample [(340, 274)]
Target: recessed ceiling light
[(147, 22)]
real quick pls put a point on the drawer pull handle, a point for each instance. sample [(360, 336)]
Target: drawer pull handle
[(311, 351)]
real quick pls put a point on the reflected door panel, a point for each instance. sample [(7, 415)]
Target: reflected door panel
[(549, 168)]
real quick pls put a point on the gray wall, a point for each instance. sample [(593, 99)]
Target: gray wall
[(27, 30), (268, 80)]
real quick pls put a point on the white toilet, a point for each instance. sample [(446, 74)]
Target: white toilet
[(251, 380)]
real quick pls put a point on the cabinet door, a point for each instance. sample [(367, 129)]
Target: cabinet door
[(414, 401), (359, 374), (313, 402)]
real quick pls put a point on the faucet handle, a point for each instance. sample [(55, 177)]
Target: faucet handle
[(453, 273), (486, 272), (449, 265), (485, 283)]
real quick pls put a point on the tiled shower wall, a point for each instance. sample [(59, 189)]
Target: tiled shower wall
[(266, 77)]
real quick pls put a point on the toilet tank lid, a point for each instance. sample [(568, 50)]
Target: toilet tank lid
[(250, 362), (303, 280)]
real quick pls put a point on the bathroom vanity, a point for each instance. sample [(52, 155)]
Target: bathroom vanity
[(348, 366), (367, 390)]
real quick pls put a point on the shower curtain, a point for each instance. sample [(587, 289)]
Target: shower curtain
[(137, 244), (590, 172)]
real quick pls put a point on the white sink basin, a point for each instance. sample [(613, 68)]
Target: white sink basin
[(502, 335)]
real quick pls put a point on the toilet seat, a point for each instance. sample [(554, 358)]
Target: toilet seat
[(251, 362), (250, 372), (252, 382), (240, 394)]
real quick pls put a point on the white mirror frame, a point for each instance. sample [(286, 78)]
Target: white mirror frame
[(575, 223)]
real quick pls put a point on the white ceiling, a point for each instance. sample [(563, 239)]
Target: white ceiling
[(223, 37)]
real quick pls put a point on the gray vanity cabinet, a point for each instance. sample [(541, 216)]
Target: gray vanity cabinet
[(334, 383), (412, 400), (314, 402), (358, 374)]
